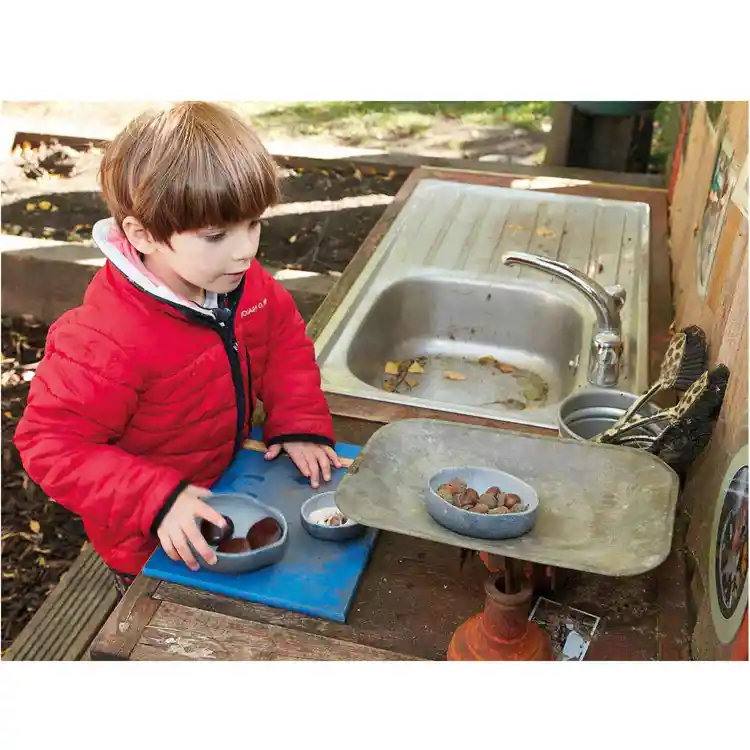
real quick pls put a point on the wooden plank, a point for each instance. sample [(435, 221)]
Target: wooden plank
[(120, 634), (71, 615), (181, 633), (412, 598)]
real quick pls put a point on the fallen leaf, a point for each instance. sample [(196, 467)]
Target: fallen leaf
[(515, 226), (41, 561), (35, 526), (292, 239), (544, 232), (411, 383), (507, 369), (48, 231), (324, 171), (391, 174), (7, 414), (54, 208), (416, 369), (389, 386), (488, 360), (45, 205), (31, 206), (358, 174), (450, 375), (391, 368)]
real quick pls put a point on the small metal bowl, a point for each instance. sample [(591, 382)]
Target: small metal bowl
[(245, 511), (468, 523), (587, 413), (350, 530)]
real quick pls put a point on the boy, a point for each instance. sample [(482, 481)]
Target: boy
[(146, 391)]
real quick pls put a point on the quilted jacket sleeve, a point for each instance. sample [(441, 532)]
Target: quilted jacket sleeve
[(80, 401), (296, 409)]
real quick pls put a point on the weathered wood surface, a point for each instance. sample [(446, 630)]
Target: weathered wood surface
[(177, 632), (71, 615)]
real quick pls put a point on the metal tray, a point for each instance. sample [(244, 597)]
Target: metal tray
[(602, 509)]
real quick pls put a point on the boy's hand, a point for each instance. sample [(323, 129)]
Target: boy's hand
[(311, 459), (179, 525)]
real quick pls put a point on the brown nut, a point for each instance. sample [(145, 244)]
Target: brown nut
[(518, 508), (511, 499), (480, 508), (489, 500), (465, 499), (455, 486), (472, 493), (493, 491), (500, 510), (445, 491)]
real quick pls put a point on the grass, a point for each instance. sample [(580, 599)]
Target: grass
[(360, 122)]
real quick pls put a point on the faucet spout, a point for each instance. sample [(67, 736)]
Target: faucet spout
[(606, 305), (606, 344)]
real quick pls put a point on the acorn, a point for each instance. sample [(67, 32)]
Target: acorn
[(446, 492), (500, 510), (480, 508), (493, 491), (489, 500), (518, 508), (511, 499), (455, 486)]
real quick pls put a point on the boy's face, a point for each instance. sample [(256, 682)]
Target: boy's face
[(214, 259)]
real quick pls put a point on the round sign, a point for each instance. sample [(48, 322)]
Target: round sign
[(729, 548)]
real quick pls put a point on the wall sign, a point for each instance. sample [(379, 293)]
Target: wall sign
[(727, 575), (723, 179)]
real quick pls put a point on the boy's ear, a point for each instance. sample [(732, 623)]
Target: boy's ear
[(138, 236)]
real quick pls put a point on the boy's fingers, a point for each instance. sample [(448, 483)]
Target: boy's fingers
[(335, 460), (325, 465), (314, 471), (272, 452), (183, 550), (204, 510), (200, 545), (169, 549)]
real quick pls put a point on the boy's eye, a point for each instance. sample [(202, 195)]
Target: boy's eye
[(217, 237)]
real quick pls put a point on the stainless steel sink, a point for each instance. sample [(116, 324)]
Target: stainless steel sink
[(483, 338)]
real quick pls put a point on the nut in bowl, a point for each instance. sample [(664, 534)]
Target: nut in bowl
[(322, 519), (482, 503)]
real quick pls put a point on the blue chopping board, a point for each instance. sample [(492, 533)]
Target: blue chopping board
[(314, 577)]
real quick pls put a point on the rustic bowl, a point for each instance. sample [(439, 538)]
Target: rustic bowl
[(328, 533), (245, 511), (467, 523)]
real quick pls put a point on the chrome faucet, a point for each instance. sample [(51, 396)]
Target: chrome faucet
[(606, 343)]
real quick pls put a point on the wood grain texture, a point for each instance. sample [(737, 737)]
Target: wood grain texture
[(124, 627), (177, 632), (723, 314), (412, 597)]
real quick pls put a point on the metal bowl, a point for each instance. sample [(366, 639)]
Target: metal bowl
[(350, 530), (587, 413), (467, 523), (245, 511)]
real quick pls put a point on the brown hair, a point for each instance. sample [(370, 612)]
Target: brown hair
[(194, 165)]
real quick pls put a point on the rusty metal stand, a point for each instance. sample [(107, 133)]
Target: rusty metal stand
[(502, 631)]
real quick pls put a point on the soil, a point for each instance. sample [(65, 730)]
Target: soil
[(52, 193)]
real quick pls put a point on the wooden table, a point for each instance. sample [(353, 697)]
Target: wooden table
[(413, 594)]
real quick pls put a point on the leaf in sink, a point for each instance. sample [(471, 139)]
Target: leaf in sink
[(391, 368), (452, 375), (507, 369), (515, 226), (415, 368), (488, 360)]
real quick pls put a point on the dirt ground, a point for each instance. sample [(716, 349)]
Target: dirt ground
[(52, 193)]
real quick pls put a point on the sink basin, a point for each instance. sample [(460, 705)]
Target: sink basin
[(452, 329), (470, 335)]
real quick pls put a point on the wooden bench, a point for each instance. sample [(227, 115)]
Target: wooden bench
[(64, 626)]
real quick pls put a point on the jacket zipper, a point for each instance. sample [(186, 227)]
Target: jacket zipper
[(232, 349)]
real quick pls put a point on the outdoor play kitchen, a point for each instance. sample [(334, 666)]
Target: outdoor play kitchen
[(522, 421)]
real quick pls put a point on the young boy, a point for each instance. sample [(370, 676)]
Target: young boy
[(146, 391)]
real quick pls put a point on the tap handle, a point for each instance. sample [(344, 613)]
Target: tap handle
[(618, 294)]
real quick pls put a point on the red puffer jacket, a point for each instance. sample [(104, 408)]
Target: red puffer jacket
[(141, 393)]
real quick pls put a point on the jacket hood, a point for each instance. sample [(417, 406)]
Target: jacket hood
[(115, 245)]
